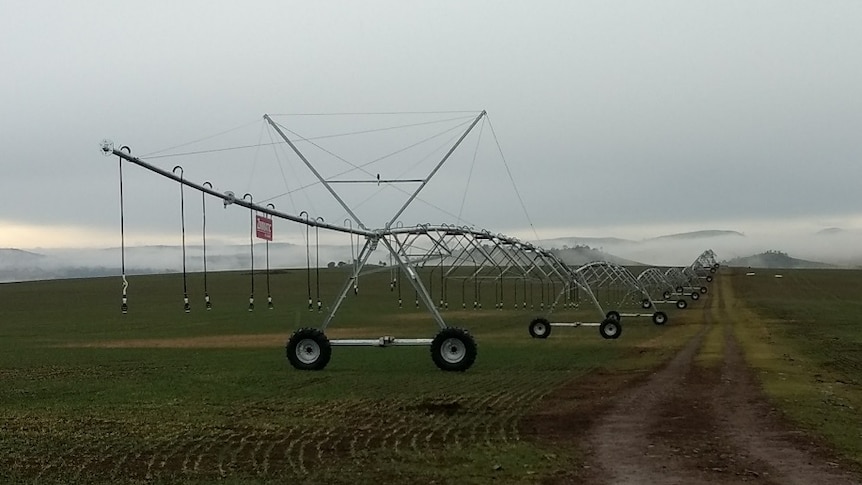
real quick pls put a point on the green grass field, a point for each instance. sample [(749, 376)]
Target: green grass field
[(159, 396), (802, 331)]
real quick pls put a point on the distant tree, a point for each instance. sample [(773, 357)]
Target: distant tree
[(331, 264)]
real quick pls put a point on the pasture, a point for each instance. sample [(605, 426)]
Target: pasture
[(159, 396)]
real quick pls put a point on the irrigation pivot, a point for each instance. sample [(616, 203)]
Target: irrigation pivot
[(452, 349), (458, 260)]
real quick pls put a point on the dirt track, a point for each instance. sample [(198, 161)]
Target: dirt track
[(686, 423)]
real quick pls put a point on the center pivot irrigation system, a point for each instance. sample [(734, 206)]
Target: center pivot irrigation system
[(672, 285), (612, 291), (609, 285), (456, 256), (452, 349)]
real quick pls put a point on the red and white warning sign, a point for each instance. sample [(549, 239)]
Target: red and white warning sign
[(264, 228)]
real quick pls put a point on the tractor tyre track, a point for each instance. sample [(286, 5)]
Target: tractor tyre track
[(691, 423), (622, 447), (755, 428)]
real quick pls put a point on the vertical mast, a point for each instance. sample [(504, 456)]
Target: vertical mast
[(436, 168), (314, 171)]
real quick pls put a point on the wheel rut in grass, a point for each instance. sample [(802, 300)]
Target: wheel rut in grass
[(690, 422), (634, 442), (756, 429)]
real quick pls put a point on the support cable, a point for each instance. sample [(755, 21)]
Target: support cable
[(150, 155), (512, 179), (360, 167), (470, 173)]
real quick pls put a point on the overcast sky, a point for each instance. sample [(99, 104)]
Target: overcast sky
[(615, 118)]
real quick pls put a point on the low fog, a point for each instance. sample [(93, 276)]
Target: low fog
[(840, 248)]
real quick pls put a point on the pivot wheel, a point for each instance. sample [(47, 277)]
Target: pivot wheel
[(703, 290), (695, 296), (681, 304), (453, 349), (610, 328), (659, 318), (646, 303), (540, 328), (308, 349), (612, 315), (666, 295), (709, 278)]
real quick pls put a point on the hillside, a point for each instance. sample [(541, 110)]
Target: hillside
[(595, 242), (699, 235), (580, 255), (830, 231), (10, 257), (775, 260)]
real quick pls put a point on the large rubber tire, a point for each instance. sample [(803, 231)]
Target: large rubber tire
[(666, 295), (659, 318), (453, 349), (611, 329), (681, 304), (679, 289), (716, 266), (308, 349), (645, 303), (709, 278), (712, 270), (540, 328), (612, 315), (695, 296), (703, 290)]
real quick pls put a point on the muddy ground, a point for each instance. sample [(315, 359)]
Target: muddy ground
[(683, 424)]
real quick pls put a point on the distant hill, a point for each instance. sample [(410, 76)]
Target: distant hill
[(775, 260), (595, 242), (20, 265), (830, 231), (699, 235), (581, 255), (16, 257)]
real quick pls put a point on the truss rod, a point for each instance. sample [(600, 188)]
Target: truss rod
[(378, 181), (436, 168), (243, 203), (315, 172)]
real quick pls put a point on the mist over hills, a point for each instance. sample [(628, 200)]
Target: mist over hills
[(581, 255), (830, 231), (598, 242), (699, 235), (775, 260), (18, 265), (833, 247), (10, 257)]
